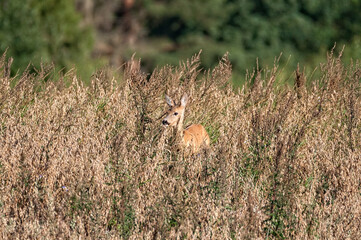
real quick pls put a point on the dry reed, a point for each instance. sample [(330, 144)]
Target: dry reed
[(94, 161)]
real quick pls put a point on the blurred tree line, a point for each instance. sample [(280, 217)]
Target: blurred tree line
[(49, 31), (251, 29), (165, 31)]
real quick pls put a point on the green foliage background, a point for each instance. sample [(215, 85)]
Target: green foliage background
[(251, 29), (47, 31), (173, 30)]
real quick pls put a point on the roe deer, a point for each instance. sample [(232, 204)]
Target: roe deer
[(193, 136)]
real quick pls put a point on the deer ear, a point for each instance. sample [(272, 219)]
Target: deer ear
[(184, 100), (169, 101)]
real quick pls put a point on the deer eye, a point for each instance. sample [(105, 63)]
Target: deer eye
[(175, 114)]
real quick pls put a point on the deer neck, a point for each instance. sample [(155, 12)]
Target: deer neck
[(180, 125)]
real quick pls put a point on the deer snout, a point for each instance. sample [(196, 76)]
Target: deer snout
[(165, 122)]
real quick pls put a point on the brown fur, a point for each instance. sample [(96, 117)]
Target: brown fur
[(195, 136)]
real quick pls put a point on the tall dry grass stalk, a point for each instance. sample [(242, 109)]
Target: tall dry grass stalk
[(94, 161)]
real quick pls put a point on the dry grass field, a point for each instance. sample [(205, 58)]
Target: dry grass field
[(95, 162)]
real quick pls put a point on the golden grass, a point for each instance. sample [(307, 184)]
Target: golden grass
[(94, 161)]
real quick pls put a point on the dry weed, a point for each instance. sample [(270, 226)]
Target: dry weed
[(94, 161)]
